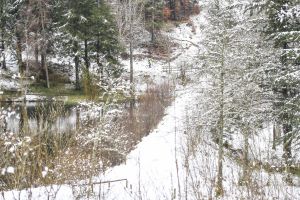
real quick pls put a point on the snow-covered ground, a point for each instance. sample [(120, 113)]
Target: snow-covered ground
[(150, 169), (163, 167), (8, 80), (154, 157), (164, 164)]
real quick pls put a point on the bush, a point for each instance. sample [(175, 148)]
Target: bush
[(166, 13), (196, 9), (90, 89)]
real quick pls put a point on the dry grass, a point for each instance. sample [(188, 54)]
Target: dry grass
[(43, 158)]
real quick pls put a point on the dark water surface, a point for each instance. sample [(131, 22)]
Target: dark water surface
[(58, 118)]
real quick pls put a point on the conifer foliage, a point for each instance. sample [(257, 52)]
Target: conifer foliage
[(283, 28), (37, 30)]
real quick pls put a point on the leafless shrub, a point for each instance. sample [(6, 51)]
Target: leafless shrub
[(28, 157), (150, 109), (40, 157), (196, 9)]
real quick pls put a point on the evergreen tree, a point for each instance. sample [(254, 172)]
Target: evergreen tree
[(154, 17), (217, 58), (283, 28), (93, 26), (3, 26), (235, 65), (105, 40), (16, 26), (250, 99)]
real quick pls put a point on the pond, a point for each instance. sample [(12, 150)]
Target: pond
[(57, 117)]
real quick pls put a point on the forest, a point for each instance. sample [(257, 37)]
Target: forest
[(145, 99)]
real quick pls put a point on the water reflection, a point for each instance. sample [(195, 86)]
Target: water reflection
[(40, 116)]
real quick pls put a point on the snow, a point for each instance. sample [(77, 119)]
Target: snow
[(7, 83), (10, 170), (163, 166), (153, 158), (152, 165), (45, 172)]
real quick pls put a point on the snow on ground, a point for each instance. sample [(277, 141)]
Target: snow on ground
[(151, 165), (202, 164), (162, 168), (6, 82), (162, 165), (185, 55), (150, 169), (261, 146), (153, 160), (146, 71)]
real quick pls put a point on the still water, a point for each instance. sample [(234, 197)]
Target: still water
[(57, 118)]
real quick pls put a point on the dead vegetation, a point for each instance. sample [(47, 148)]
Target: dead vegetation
[(35, 158)]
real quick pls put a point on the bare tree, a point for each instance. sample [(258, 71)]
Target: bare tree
[(130, 21)]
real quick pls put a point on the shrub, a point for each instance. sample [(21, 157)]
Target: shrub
[(196, 9)]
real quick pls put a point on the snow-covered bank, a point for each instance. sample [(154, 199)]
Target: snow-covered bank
[(179, 158), (163, 137), (151, 168), (152, 165), (175, 161)]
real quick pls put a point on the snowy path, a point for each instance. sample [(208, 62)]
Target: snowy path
[(151, 168)]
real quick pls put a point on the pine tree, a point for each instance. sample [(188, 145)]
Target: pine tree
[(154, 17), (16, 25), (234, 65), (283, 28), (3, 26), (92, 26), (217, 57), (105, 40), (250, 101)]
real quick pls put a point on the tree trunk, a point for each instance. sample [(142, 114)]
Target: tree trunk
[(287, 143), (287, 155), (131, 56), (245, 176), (274, 136), (131, 65), (2, 40), (36, 54), (86, 58), (287, 119), (219, 185), (45, 68), (287, 126), (152, 25), (19, 52), (98, 52), (3, 54), (76, 60), (99, 62), (87, 79), (43, 19)]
